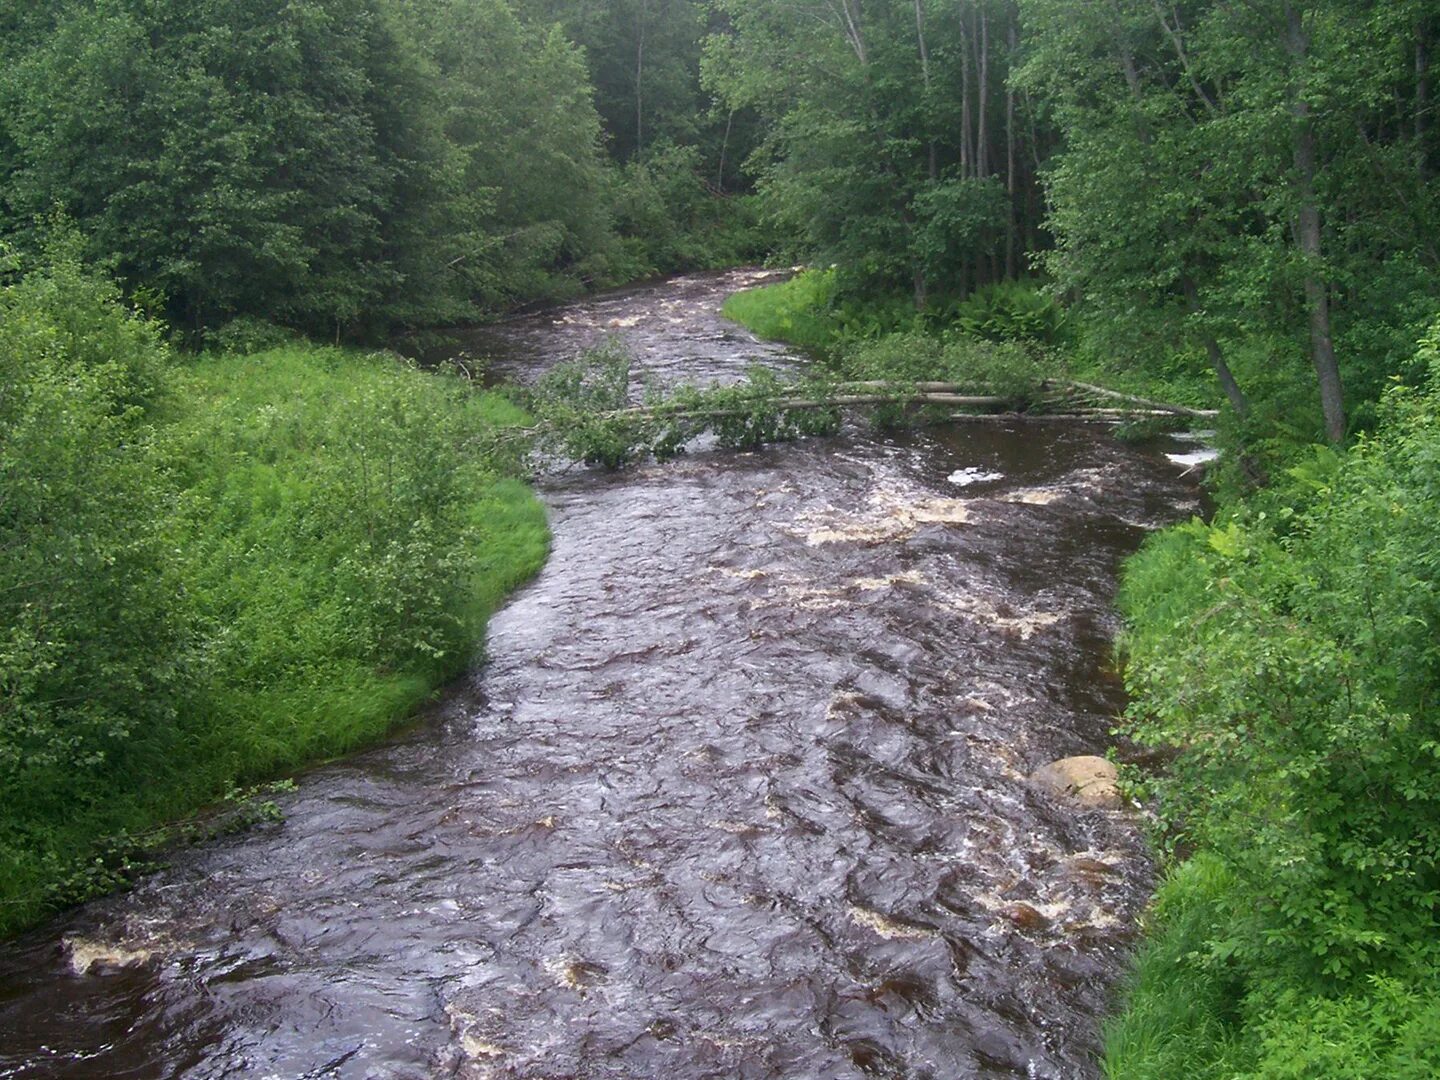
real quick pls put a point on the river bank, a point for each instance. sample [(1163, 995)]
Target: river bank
[(741, 788), (265, 560)]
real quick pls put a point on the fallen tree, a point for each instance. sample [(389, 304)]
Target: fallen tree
[(584, 410)]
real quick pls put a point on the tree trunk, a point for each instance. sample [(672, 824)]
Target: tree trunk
[(1011, 254), (1238, 401), (966, 159), (640, 82), (724, 147), (922, 292), (1308, 234), (982, 135), (1422, 100), (925, 75), (850, 12)]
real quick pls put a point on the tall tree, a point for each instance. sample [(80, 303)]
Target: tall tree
[(277, 156), (884, 150), (644, 59), (1220, 174)]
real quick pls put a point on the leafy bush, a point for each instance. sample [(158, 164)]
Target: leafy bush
[(92, 648), (983, 367), (331, 540), (1011, 311), (1289, 652), (249, 334), (957, 219), (217, 570), (1191, 1013), (1390, 1029)]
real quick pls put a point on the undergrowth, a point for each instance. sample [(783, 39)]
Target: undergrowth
[(217, 570), (1286, 657)]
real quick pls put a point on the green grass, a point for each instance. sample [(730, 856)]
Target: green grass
[(1188, 1014), (339, 541), (1180, 1015), (807, 311), (796, 311)]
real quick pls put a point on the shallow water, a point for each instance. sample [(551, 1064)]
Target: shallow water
[(739, 792)]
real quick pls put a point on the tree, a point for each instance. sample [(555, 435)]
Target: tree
[(516, 105), (894, 144), (1221, 170), (275, 158)]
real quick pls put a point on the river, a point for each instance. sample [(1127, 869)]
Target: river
[(738, 792)]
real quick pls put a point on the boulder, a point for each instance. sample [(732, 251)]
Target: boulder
[(1089, 781), (87, 955)]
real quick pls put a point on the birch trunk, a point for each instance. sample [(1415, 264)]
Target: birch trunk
[(1308, 233)]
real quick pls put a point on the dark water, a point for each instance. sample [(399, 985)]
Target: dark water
[(739, 793)]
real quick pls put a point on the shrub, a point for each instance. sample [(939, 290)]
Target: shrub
[(1290, 653), (1011, 311), (218, 570)]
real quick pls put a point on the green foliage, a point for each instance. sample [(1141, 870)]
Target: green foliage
[(891, 144), (1177, 196), (249, 334), (796, 311), (533, 206), (1389, 1029), (981, 367), (1011, 311), (217, 570), (1288, 653), (1189, 1013), (644, 58), (1182, 1014), (236, 157), (669, 220), (955, 218), (585, 414), (92, 649), (343, 167)]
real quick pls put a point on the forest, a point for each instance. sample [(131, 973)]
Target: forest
[(238, 539)]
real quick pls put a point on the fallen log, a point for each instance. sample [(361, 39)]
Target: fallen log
[(877, 392), (1160, 406)]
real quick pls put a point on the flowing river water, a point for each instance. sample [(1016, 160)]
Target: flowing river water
[(739, 792)]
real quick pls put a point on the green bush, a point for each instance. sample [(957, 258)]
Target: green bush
[(1011, 311), (1287, 654), (1390, 1028), (274, 560), (982, 367), (92, 653), (1190, 1013)]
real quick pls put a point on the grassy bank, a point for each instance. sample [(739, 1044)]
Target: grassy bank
[(875, 337), (218, 569), (1286, 656)]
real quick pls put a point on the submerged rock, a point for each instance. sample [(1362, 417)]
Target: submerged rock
[(1090, 781), (86, 955)]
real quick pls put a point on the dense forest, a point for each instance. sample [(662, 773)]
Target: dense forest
[(1232, 205), (349, 168)]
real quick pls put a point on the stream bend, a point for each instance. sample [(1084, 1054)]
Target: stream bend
[(739, 792)]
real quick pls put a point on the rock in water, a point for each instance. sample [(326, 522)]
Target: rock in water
[(87, 955), (1088, 780)]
